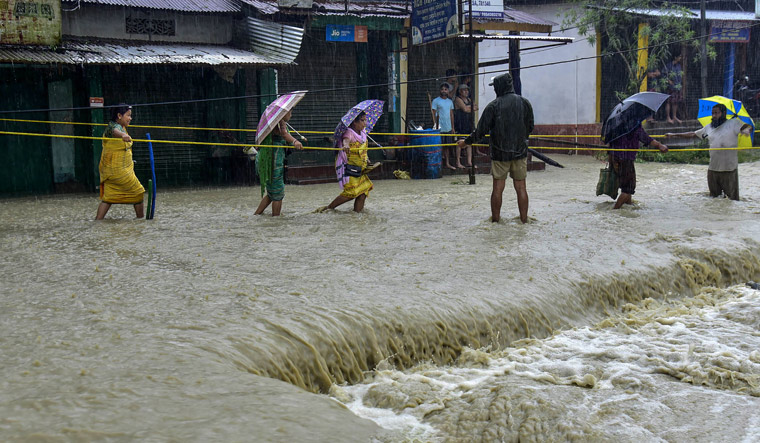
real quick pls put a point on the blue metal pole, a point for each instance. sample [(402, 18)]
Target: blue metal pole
[(728, 71), (152, 208)]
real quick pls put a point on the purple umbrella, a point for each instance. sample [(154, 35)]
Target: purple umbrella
[(373, 109)]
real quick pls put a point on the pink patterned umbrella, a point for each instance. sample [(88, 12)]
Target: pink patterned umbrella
[(275, 112)]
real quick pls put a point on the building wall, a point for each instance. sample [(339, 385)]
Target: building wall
[(30, 23), (110, 22), (562, 94)]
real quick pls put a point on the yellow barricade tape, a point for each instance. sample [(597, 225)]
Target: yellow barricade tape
[(416, 134), (319, 148)]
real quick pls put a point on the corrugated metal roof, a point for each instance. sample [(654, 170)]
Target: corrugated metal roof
[(173, 5), (710, 14), (727, 15), (273, 40), (264, 6), (515, 16), (535, 38), (149, 54), (363, 9), (393, 9)]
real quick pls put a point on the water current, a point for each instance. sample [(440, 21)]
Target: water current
[(415, 320)]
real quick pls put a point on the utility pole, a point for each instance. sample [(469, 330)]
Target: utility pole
[(473, 64), (703, 47)]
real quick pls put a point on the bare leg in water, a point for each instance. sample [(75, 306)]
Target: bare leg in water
[(358, 202), (522, 199), (621, 200), (276, 206), (103, 208), (496, 193)]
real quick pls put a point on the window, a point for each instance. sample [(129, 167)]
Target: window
[(149, 26)]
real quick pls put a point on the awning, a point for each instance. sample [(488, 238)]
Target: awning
[(513, 20), (694, 14), (530, 38), (132, 53), (272, 40), (391, 9)]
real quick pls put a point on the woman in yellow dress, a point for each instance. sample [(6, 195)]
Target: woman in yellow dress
[(354, 144), (118, 182)]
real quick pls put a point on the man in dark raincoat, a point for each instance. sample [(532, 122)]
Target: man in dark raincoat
[(509, 121)]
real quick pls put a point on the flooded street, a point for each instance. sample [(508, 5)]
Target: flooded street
[(208, 323)]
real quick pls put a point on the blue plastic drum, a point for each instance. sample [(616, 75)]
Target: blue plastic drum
[(426, 162)]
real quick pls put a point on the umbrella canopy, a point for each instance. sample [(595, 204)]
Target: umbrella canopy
[(275, 112), (735, 109), (629, 114), (652, 100), (373, 110)]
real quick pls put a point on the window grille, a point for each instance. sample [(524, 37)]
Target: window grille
[(150, 26)]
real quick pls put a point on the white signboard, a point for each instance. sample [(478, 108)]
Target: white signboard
[(491, 9)]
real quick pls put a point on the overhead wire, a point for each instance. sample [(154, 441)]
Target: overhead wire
[(346, 88)]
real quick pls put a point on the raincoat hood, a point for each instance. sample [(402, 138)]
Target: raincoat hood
[(503, 85)]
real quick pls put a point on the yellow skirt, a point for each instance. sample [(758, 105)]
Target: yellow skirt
[(357, 186), (118, 182)]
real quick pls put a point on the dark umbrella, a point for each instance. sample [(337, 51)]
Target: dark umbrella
[(629, 114), (546, 159)]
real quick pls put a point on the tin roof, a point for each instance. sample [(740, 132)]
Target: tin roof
[(173, 5), (710, 14), (534, 38), (393, 9), (273, 40), (515, 16), (513, 20), (134, 54), (363, 9)]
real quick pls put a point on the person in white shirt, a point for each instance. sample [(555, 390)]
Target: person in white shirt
[(722, 133)]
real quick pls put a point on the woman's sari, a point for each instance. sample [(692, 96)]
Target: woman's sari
[(357, 156), (118, 182), (270, 165)]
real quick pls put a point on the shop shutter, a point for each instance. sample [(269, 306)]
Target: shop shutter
[(176, 164), (427, 70), (328, 71)]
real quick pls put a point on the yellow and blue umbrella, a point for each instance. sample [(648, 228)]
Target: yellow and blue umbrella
[(735, 109)]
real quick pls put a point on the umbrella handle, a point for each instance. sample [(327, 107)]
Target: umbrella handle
[(294, 130), (373, 141)]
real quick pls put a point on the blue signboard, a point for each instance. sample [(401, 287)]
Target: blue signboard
[(723, 31), (433, 20), (339, 33)]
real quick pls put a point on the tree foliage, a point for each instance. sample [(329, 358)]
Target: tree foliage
[(617, 22)]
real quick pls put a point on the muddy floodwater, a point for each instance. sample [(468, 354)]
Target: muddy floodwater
[(416, 320)]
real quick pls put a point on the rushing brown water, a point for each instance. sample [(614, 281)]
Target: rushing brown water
[(208, 323)]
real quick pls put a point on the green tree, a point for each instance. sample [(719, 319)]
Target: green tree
[(618, 21)]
